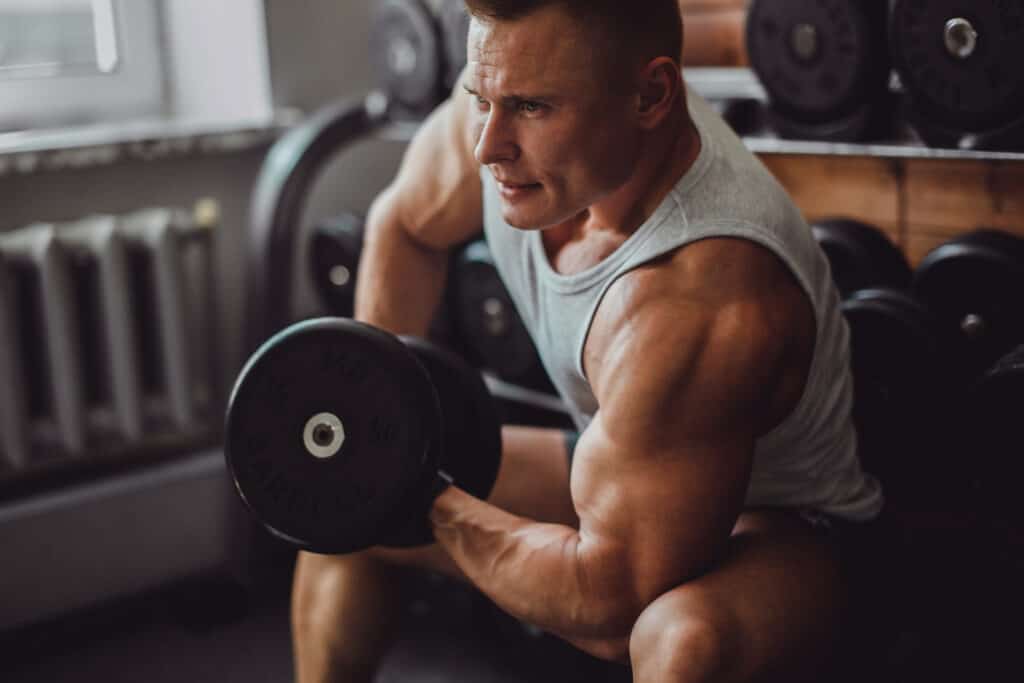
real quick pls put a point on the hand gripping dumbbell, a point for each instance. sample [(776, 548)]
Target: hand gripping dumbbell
[(340, 435)]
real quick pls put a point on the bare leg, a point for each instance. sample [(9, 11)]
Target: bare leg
[(771, 611), (344, 608)]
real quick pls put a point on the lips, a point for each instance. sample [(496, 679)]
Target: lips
[(515, 193), (516, 186)]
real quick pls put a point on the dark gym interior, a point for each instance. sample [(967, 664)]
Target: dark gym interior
[(182, 180)]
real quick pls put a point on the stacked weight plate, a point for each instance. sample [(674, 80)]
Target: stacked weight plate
[(825, 65), (899, 354), (959, 63)]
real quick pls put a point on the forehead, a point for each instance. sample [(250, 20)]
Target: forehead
[(546, 50)]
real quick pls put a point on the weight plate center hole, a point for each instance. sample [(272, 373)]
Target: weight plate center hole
[(402, 56), (495, 317), (340, 276), (805, 42), (961, 38), (973, 326), (324, 436)]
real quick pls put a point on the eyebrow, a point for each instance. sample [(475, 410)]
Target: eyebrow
[(511, 99)]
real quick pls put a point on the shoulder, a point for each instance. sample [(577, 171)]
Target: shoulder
[(437, 193), (720, 321)]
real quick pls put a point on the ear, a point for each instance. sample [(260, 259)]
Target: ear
[(660, 84)]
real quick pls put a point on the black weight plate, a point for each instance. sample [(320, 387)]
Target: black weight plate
[(405, 48), (819, 59), (334, 249), (995, 441), (861, 256), (486, 318), (745, 116), (455, 28), (391, 420), (893, 333), (983, 89), (471, 431), (898, 361), (975, 285)]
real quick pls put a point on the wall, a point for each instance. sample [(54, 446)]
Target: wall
[(317, 52), (317, 49)]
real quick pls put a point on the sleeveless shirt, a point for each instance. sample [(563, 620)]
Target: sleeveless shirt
[(810, 460)]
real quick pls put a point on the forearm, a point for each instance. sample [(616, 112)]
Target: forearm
[(544, 574), (400, 281)]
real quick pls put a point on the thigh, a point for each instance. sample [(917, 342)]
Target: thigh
[(774, 604), (533, 482)]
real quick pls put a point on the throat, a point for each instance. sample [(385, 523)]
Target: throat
[(573, 251)]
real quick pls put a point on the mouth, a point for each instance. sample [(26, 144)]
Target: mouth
[(513, 191)]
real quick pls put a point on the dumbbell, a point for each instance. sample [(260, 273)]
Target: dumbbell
[(887, 323), (825, 66), (861, 256), (899, 361), (333, 257), (994, 441), (900, 357), (975, 285), (337, 432), (486, 321)]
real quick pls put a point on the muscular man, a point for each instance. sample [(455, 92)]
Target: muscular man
[(687, 317)]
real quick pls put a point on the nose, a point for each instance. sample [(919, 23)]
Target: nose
[(496, 142)]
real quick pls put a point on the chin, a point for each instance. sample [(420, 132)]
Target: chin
[(524, 220), (540, 216)]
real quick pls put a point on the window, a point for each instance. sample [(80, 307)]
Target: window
[(44, 39), (78, 62), (65, 62)]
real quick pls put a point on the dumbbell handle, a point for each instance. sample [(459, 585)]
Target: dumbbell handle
[(516, 394)]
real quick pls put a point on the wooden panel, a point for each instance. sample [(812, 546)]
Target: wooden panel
[(866, 189), (951, 196), (948, 198), (713, 32), (715, 39)]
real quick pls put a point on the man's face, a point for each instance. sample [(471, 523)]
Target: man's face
[(549, 126)]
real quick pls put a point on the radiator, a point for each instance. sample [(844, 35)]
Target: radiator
[(106, 337)]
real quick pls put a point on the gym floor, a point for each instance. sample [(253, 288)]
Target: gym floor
[(212, 630)]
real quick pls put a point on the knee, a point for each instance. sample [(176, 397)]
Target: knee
[(672, 644), (323, 586)]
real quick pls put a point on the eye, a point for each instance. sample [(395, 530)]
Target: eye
[(481, 103), (530, 107)]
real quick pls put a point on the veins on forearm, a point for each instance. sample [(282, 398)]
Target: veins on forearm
[(534, 571)]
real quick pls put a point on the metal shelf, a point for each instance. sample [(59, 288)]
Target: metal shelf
[(725, 83), (716, 83), (893, 150)]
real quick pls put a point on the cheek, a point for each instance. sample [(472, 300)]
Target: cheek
[(560, 154), (588, 152)]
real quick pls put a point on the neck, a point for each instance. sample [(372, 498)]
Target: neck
[(664, 157)]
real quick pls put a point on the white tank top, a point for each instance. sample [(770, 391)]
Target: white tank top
[(808, 461)]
